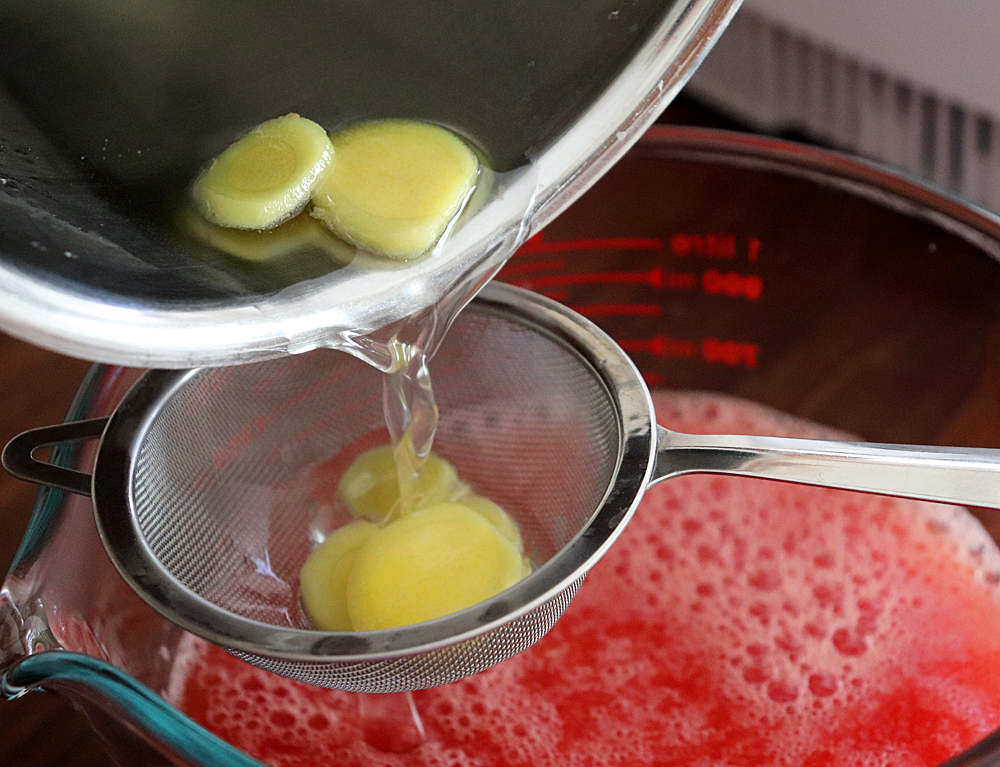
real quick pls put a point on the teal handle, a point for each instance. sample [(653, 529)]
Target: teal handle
[(82, 678)]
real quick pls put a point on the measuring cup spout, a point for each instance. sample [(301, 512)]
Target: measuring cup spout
[(967, 476)]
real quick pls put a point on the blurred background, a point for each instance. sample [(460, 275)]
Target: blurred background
[(911, 83)]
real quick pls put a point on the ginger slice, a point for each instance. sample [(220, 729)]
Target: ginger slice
[(323, 577), (265, 177), (396, 185), (495, 515), (301, 232), (401, 563), (435, 561), (370, 486)]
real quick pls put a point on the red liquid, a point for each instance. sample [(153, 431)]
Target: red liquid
[(737, 622)]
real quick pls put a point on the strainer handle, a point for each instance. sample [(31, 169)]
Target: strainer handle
[(19, 460), (967, 476)]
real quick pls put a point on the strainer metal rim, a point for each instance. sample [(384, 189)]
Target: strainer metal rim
[(118, 526)]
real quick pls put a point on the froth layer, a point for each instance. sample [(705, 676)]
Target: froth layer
[(736, 621)]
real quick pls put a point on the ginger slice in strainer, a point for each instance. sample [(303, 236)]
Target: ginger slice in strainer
[(323, 578), (397, 565), (427, 564), (370, 486)]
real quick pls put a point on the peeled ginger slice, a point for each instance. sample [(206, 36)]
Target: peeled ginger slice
[(495, 515), (370, 486), (430, 563), (323, 578), (299, 233), (266, 176), (396, 185)]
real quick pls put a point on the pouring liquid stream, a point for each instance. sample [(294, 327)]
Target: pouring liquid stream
[(391, 722), (402, 352)]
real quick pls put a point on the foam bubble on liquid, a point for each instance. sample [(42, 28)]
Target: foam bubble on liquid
[(826, 600), (735, 621)]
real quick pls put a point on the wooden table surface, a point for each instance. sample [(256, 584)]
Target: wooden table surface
[(36, 387)]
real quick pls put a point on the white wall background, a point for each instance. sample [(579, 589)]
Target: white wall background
[(950, 46)]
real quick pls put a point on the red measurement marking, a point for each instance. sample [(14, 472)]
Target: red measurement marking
[(732, 284), (660, 345), (537, 245), (541, 265), (530, 243), (710, 245), (729, 353), (658, 277), (753, 250), (606, 310)]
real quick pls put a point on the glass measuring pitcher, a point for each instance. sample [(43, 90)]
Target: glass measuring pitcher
[(808, 282)]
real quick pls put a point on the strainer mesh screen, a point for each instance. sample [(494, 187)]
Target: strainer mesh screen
[(236, 477)]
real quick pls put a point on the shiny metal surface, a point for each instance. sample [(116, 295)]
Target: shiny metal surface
[(103, 113), (930, 473)]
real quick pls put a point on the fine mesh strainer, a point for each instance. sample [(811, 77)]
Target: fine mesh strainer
[(210, 486)]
